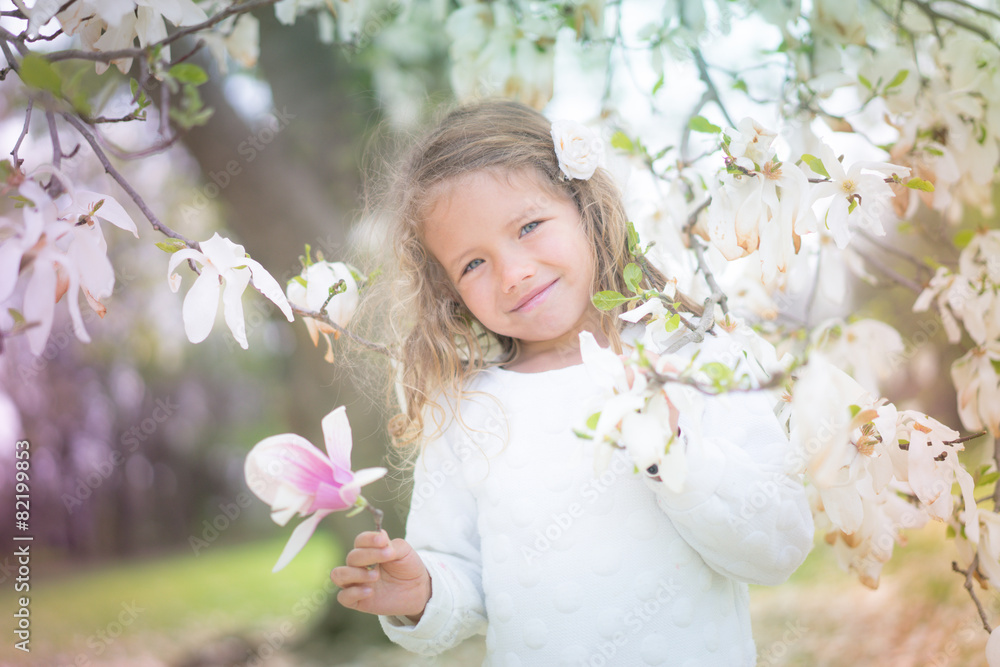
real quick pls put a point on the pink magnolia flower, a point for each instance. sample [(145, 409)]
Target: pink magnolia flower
[(292, 476)]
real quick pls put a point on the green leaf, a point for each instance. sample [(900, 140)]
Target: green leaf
[(171, 245), (16, 314), (188, 73), (38, 72), (963, 238), (621, 141), (920, 184), (740, 84), (633, 239), (988, 478), (592, 420), (7, 170), (672, 322), (633, 276), (853, 205), (815, 164), (898, 79), (608, 299), (701, 124), (855, 409), (658, 85), (865, 82), (949, 533), (720, 374), (933, 151)]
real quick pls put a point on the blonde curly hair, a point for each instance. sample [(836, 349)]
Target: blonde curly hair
[(441, 345)]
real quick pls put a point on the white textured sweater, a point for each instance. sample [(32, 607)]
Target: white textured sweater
[(560, 565)]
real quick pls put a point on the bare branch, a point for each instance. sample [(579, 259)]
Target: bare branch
[(125, 185), (969, 575), (108, 56), (24, 132), (322, 317), (889, 273)]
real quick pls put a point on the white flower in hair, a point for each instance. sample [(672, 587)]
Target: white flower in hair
[(578, 149)]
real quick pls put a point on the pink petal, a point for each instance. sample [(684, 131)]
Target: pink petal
[(337, 434), (274, 461), (332, 498), (299, 537)]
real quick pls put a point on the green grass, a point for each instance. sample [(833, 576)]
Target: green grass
[(223, 589)]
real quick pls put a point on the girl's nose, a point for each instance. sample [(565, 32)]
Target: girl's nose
[(515, 270)]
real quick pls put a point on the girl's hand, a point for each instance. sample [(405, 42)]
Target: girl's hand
[(398, 584)]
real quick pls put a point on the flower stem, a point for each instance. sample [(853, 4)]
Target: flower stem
[(377, 514)]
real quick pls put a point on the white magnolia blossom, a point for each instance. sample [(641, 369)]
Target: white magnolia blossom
[(866, 349), (853, 447), (578, 148), (111, 25), (225, 268), (497, 51), (641, 416), (860, 195), (978, 383), (60, 245), (765, 207), (311, 290)]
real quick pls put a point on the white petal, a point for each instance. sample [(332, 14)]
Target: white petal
[(40, 304), (10, 262), (269, 287), (201, 305), (232, 304), (176, 258), (299, 537), (110, 210)]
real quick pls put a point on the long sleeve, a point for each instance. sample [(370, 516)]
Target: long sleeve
[(442, 528), (738, 508)]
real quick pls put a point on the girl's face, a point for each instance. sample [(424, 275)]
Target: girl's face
[(519, 257)]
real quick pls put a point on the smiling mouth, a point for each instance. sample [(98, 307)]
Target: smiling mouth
[(534, 298)]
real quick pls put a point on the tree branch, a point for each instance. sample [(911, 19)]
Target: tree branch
[(125, 185), (890, 273), (24, 133), (969, 574), (322, 317), (108, 56)]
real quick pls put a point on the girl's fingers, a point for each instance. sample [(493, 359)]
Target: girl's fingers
[(366, 557), (351, 597), (353, 576), (372, 539)]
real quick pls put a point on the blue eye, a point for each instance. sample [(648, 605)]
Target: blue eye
[(471, 265), (530, 227)]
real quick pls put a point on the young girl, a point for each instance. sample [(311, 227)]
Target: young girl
[(511, 532)]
